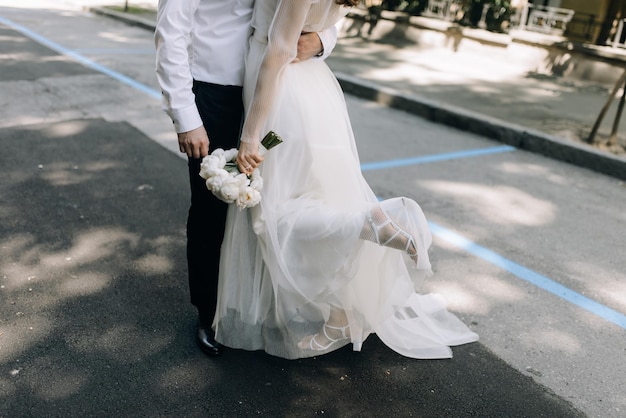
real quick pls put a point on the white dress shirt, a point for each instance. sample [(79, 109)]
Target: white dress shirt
[(204, 40)]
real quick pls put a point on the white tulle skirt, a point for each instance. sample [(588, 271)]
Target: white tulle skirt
[(289, 261)]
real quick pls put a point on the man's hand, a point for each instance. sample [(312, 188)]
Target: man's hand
[(309, 45), (194, 143)]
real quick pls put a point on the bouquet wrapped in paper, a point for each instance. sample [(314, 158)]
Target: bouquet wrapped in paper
[(223, 178)]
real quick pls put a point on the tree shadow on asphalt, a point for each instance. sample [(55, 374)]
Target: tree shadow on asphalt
[(96, 319)]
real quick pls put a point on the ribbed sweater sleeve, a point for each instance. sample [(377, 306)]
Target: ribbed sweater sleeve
[(282, 47)]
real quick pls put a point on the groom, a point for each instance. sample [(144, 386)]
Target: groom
[(201, 46)]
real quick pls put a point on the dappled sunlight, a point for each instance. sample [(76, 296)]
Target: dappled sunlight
[(116, 37), (444, 65), (23, 329), (497, 289), (123, 343), (42, 4), (539, 92), (31, 264), (55, 59), (17, 248), (548, 335), (88, 283), (36, 279), (77, 303), (157, 259), (90, 246), (62, 130), (406, 72), (498, 82), (185, 378), (17, 275), (485, 88), (154, 263), (16, 39), (600, 282), (553, 339), (477, 294), (502, 205), (34, 58), (53, 381), (532, 170), (64, 174), (20, 120), (460, 299)]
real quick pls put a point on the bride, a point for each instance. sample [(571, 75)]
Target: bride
[(319, 263)]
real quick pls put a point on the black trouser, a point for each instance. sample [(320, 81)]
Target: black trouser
[(221, 110)]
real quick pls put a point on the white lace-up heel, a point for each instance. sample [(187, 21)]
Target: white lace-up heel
[(315, 345), (388, 233)]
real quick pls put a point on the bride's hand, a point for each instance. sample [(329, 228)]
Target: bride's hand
[(248, 157)]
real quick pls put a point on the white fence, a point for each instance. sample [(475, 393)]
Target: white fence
[(544, 19)]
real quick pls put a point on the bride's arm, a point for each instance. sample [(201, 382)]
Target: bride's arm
[(283, 37)]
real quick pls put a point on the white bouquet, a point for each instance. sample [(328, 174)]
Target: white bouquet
[(227, 183)]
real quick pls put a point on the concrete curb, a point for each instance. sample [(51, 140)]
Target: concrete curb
[(508, 133), (550, 146), (124, 17)]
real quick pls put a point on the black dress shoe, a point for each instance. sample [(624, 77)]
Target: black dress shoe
[(206, 341)]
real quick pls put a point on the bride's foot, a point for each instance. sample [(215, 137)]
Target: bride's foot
[(324, 340), (383, 230)]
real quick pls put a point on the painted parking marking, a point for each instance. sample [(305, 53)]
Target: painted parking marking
[(518, 270), (116, 51), (529, 276), (81, 59), (435, 158)]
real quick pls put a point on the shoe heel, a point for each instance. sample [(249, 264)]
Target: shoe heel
[(407, 213)]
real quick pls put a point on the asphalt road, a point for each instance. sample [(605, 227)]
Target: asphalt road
[(94, 315)]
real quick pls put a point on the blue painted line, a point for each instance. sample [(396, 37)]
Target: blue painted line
[(530, 276), (79, 58), (116, 51), (435, 158)]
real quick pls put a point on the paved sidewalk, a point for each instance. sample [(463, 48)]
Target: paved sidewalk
[(481, 87)]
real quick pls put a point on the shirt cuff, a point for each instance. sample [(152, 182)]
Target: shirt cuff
[(186, 119), (328, 38)]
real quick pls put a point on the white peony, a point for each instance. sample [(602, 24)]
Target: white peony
[(230, 190), (250, 197), (223, 178), (215, 182)]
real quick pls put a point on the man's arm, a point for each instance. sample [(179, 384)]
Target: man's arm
[(317, 44), (173, 28), (329, 40)]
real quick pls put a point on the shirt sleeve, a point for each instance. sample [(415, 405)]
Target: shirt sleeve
[(172, 38), (282, 47), (329, 39)]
